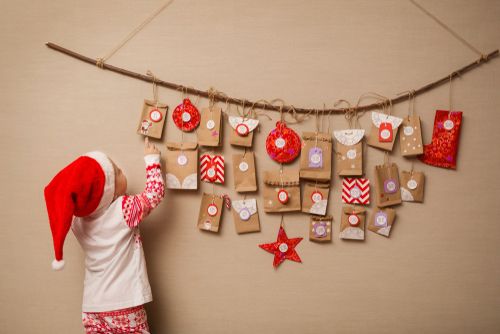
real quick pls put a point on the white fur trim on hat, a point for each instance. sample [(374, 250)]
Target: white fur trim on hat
[(57, 265), (109, 172)]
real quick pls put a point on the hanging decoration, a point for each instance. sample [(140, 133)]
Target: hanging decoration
[(281, 191), (412, 186), (210, 130), (181, 168), (320, 229), (283, 144), (443, 149), (245, 179), (242, 130), (316, 162), (210, 212), (387, 183), (352, 223), (284, 248), (349, 145), (186, 116), (410, 139), (381, 221), (212, 168), (153, 115), (315, 198), (355, 191), (246, 218)]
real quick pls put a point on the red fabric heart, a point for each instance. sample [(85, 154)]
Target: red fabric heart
[(283, 144), (191, 114)]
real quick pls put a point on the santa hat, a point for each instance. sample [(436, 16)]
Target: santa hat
[(82, 188)]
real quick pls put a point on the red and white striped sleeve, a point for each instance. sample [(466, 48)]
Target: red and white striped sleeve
[(137, 207)]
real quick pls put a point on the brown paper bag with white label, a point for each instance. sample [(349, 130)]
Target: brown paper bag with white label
[(181, 168), (242, 130), (152, 119), (410, 137), (320, 229), (412, 186), (245, 215), (245, 179), (381, 221), (387, 185), (316, 156), (281, 191), (352, 223), (315, 198), (383, 131), (210, 212), (349, 152), (209, 131)]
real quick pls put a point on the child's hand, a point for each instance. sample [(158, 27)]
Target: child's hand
[(150, 148)]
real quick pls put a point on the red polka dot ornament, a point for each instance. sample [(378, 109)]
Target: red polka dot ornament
[(186, 116)]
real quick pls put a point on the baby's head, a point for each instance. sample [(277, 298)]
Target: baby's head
[(85, 187)]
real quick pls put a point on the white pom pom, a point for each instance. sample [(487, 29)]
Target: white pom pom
[(57, 265)]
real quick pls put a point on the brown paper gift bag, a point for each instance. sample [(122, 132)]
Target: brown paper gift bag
[(349, 152), (387, 185), (210, 212), (352, 223), (242, 129), (281, 191), (245, 215), (316, 156), (315, 198), (384, 127), (210, 130), (412, 186), (245, 179), (410, 138), (381, 221), (182, 166), (152, 119), (320, 229)]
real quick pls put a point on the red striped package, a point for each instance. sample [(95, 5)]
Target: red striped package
[(356, 191), (212, 168)]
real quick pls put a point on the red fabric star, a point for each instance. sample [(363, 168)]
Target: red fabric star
[(283, 249)]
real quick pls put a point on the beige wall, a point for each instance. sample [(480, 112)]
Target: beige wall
[(438, 273)]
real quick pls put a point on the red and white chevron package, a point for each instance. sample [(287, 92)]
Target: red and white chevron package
[(355, 191), (212, 168)]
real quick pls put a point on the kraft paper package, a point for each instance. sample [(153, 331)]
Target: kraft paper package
[(281, 191), (349, 152), (315, 198), (245, 215), (152, 119), (242, 130), (320, 229), (412, 186), (352, 223), (210, 212), (210, 129), (383, 131), (387, 186), (382, 220), (410, 137), (245, 178), (316, 156), (182, 166)]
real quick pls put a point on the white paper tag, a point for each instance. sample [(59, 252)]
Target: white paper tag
[(280, 143), (448, 124), (182, 160), (210, 124), (243, 166)]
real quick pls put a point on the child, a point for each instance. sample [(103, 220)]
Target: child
[(88, 195)]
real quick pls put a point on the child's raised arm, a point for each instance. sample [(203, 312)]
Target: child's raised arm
[(137, 207)]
